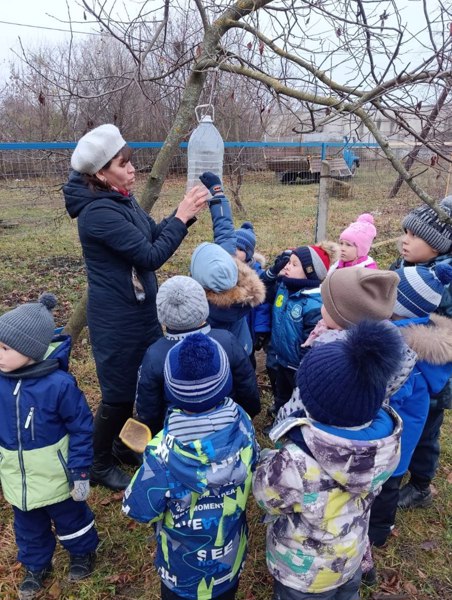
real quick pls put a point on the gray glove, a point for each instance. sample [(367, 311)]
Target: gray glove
[(79, 485)]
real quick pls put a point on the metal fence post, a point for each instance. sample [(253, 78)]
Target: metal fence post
[(322, 207)]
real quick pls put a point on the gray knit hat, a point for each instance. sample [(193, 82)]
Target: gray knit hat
[(425, 223), (29, 328), (96, 148), (182, 303)]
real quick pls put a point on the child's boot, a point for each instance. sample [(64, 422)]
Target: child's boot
[(33, 582), (81, 566), (414, 497)]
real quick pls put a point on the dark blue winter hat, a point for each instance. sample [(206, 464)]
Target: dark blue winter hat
[(197, 374), (420, 289), (246, 239), (28, 329), (343, 383)]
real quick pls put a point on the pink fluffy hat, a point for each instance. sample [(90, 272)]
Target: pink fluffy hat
[(361, 233)]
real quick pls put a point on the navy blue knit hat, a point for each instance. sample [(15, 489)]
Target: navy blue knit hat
[(420, 289), (343, 383), (246, 239), (197, 374)]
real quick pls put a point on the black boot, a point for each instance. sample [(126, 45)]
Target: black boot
[(413, 497), (33, 582), (81, 566), (125, 455), (108, 423)]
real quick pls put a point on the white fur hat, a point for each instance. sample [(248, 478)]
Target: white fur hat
[(96, 148)]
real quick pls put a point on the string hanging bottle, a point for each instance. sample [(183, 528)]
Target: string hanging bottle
[(205, 148)]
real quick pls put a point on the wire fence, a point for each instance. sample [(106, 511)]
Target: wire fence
[(32, 174)]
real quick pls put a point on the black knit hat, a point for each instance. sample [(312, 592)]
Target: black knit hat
[(29, 328), (343, 383), (426, 224)]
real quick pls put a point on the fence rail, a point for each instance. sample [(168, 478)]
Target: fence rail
[(32, 173)]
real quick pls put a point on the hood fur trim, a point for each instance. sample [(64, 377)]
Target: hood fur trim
[(249, 290), (432, 343), (331, 248), (260, 258)]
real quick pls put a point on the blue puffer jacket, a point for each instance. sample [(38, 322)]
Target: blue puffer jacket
[(151, 404), (46, 431), (260, 318), (431, 339), (230, 306), (117, 236), (196, 494), (294, 316)]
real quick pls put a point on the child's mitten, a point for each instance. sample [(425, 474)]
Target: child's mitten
[(212, 183), (280, 262), (79, 485)]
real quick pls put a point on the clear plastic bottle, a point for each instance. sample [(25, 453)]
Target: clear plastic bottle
[(205, 150)]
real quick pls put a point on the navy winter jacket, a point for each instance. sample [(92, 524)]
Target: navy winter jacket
[(46, 430), (151, 403), (117, 238)]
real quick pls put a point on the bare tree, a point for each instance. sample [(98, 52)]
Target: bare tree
[(328, 57)]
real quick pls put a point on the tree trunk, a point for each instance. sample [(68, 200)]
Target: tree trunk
[(77, 320), (424, 133)]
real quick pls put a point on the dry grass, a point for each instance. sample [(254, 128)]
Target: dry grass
[(416, 563)]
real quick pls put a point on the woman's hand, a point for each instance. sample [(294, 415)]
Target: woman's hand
[(193, 203)]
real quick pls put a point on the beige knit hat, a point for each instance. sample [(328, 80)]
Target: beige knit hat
[(354, 293)]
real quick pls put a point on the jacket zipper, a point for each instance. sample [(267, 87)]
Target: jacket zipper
[(30, 420), (16, 393)]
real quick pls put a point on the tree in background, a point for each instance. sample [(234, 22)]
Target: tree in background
[(330, 57)]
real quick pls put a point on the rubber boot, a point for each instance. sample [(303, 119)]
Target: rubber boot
[(108, 423), (126, 456)]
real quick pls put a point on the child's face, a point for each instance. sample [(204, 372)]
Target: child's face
[(349, 252), (294, 269), (328, 320), (415, 249), (10, 359), (241, 255)]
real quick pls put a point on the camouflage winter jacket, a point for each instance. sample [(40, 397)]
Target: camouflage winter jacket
[(317, 492)]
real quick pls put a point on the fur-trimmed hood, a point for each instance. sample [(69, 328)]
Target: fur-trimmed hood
[(432, 342), (260, 258), (249, 291)]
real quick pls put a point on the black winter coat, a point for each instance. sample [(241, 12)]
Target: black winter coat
[(117, 235), (151, 404)]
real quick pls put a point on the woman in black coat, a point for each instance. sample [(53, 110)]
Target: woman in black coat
[(122, 247)]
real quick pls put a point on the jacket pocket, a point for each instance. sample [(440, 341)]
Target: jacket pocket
[(64, 465)]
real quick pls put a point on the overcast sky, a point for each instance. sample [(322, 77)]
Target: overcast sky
[(53, 14)]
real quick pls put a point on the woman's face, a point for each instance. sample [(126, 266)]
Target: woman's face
[(119, 175)]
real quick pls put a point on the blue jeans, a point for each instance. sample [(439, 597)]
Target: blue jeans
[(74, 526), (424, 461)]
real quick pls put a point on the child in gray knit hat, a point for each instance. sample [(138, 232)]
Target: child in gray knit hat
[(427, 242), (45, 445)]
